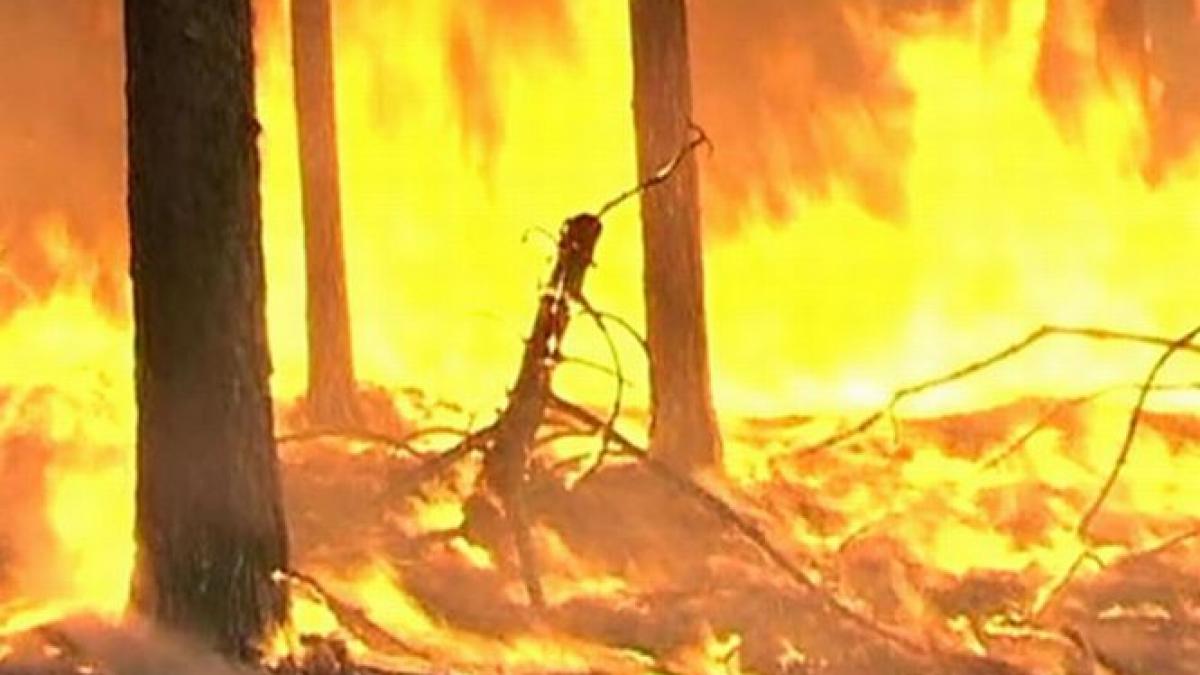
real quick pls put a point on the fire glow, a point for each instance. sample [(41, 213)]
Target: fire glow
[(992, 168)]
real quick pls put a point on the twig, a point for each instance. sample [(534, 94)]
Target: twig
[(1061, 406), (1055, 410), (442, 461), (1013, 448), (364, 435), (629, 329), (1134, 418), (664, 173), (615, 410), (975, 366), (1040, 606), (593, 365), (1161, 547), (404, 443)]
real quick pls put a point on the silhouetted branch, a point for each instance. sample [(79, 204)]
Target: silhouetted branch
[(404, 443), (664, 173), (435, 465), (1131, 431), (629, 329), (1161, 547), (1040, 605), (975, 366)]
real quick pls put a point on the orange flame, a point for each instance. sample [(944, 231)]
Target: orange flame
[(983, 171)]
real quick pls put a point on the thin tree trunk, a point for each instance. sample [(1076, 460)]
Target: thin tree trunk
[(684, 430), (210, 526), (331, 387)]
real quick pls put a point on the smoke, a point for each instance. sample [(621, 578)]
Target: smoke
[(61, 146), (1172, 48), (482, 34), (1152, 44), (803, 98), (797, 95)]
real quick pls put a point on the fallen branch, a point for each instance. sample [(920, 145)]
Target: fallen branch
[(1011, 449), (997, 357), (1039, 606), (404, 443), (1161, 547), (1089, 554), (730, 517), (435, 465), (1042, 422), (1062, 406), (1134, 418)]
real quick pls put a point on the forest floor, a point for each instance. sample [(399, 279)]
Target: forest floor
[(934, 545), (946, 544)]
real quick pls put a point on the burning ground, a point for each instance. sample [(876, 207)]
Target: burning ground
[(897, 190), (923, 547)]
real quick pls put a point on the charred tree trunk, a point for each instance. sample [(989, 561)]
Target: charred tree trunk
[(210, 527), (683, 430), (331, 390), (507, 461)]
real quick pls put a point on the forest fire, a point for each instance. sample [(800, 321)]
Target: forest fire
[(947, 248)]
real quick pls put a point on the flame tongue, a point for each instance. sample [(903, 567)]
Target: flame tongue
[(904, 193)]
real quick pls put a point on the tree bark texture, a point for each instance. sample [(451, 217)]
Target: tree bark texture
[(507, 462), (684, 431), (331, 385), (210, 527)]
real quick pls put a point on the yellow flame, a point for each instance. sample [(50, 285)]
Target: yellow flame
[(1012, 218)]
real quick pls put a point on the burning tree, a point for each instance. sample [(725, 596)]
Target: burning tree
[(684, 430), (209, 522), (330, 352)]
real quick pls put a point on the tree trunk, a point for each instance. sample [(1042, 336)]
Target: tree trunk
[(210, 526), (684, 430), (331, 390)]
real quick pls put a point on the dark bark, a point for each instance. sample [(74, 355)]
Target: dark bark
[(684, 430), (210, 527), (507, 462), (331, 390)]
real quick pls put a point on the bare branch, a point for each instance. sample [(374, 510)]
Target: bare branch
[(975, 366), (593, 365), (1161, 547), (1040, 606), (435, 465), (699, 138), (629, 329), (404, 443), (1134, 418)]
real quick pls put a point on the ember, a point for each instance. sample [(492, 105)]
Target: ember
[(936, 252)]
